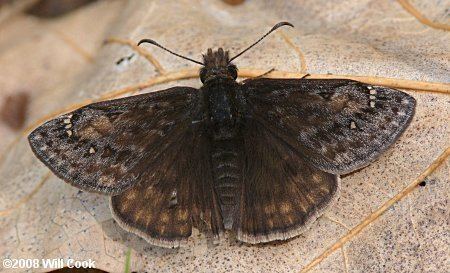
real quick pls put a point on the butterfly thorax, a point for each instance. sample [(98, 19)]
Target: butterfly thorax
[(223, 108), (220, 92)]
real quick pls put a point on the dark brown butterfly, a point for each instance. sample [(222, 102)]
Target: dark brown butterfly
[(262, 157)]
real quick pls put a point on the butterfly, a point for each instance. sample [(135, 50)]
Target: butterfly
[(260, 157)]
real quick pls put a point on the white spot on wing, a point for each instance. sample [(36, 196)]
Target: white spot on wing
[(372, 104), (352, 125), (68, 126), (91, 150), (372, 97), (372, 92), (173, 198), (67, 121), (173, 194), (69, 133)]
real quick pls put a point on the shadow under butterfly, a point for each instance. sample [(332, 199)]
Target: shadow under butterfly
[(261, 157)]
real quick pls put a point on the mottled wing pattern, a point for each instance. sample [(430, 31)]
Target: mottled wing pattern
[(336, 125), (281, 194), (168, 202), (105, 147)]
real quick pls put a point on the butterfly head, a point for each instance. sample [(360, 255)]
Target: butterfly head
[(217, 65)]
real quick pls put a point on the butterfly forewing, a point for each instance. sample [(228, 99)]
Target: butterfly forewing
[(337, 125), (105, 147)]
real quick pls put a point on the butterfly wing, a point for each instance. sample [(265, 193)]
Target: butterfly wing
[(281, 194), (164, 212), (105, 147), (337, 125), (147, 152)]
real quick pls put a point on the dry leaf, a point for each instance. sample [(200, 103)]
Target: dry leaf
[(382, 221)]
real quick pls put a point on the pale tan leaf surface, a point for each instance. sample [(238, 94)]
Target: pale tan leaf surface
[(382, 222), (43, 57)]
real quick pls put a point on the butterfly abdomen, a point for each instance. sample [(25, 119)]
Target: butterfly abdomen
[(227, 176)]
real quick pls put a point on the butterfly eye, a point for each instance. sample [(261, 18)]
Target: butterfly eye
[(232, 69)]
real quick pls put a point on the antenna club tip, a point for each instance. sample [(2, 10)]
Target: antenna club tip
[(289, 24), (280, 24), (145, 41)]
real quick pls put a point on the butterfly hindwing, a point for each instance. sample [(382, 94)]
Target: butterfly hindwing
[(281, 193), (337, 125), (168, 202), (105, 147)]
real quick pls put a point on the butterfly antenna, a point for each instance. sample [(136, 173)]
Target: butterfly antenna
[(150, 41), (280, 24)]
